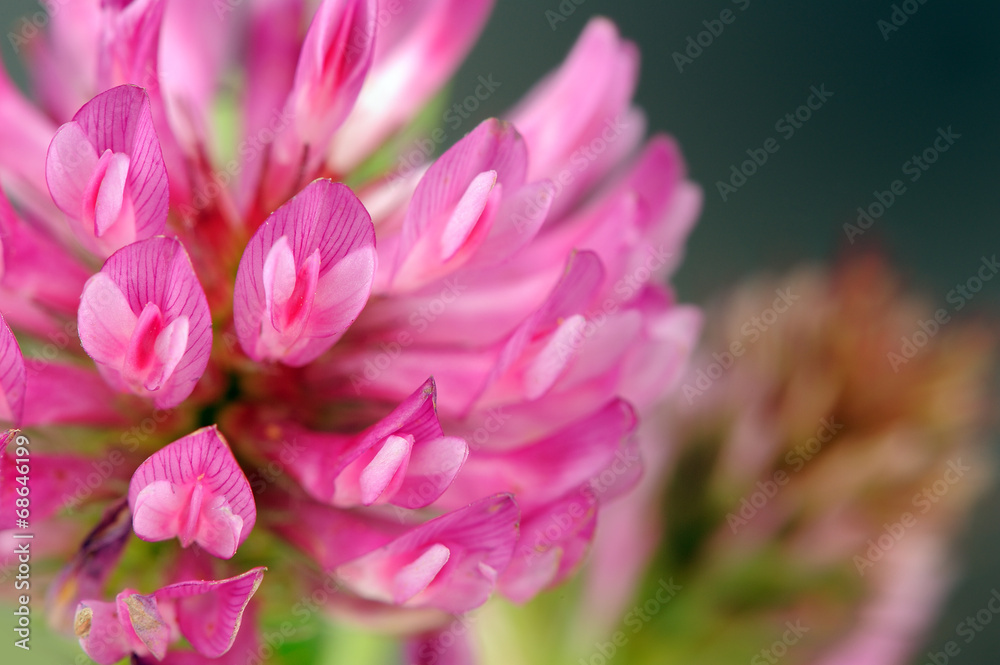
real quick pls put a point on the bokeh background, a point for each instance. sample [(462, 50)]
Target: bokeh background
[(890, 95), (940, 69)]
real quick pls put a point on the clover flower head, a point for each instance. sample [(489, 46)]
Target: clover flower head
[(276, 346)]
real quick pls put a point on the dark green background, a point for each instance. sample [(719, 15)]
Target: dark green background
[(940, 69)]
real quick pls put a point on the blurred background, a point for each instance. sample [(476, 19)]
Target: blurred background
[(940, 68), (892, 88)]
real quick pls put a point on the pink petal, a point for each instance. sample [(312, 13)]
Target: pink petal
[(415, 56), (598, 351), (120, 120), (246, 642), (552, 466), (39, 279), (651, 209), (99, 629), (404, 459), (131, 36), (106, 166), (111, 200), (328, 236), (131, 624), (145, 321), (86, 573), (656, 173), (541, 349), (279, 275), (433, 468), (274, 31), (333, 61), (72, 160), (429, 464), (450, 563), (467, 212), (417, 575), (144, 624), (209, 614), (448, 646), (191, 56), (416, 416), (449, 211), (460, 372), (154, 349), (677, 220), (162, 512), (63, 58), (384, 473), (586, 99), (289, 293), (195, 490), (25, 132), (106, 321), (657, 364), (12, 376), (553, 541), (594, 83), (518, 220), (330, 536), (169, 348), (489, 303), (544, 369), (129, 54), (60, 393)]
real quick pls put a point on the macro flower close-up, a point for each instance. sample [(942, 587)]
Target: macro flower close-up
[(300, 372), (322, 341)]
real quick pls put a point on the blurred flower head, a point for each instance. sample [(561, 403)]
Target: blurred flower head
[(826, 449)]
